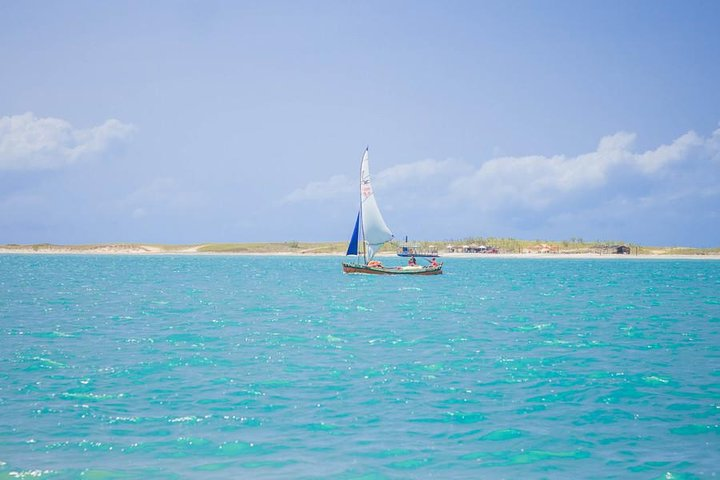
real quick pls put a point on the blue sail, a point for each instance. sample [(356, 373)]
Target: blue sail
[(353, 247)]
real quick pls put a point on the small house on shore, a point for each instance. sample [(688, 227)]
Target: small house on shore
[(613, 250), (470, 249)]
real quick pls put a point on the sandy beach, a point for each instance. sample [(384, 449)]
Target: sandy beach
[(281, 250)]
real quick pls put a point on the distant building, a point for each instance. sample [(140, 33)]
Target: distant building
[(612, 249), (470, 249)]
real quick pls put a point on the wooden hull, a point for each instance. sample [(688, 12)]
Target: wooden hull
[(358, 268)]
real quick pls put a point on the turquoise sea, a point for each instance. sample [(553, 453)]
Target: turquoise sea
[(284, 368)]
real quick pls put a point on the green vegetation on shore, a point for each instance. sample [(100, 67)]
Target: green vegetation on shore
[(573, 245)]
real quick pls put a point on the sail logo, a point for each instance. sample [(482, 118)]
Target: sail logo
[(366, 189)]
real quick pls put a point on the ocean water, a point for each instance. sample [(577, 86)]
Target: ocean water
[(284, 368)]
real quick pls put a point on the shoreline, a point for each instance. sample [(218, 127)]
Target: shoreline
[(141, 249)]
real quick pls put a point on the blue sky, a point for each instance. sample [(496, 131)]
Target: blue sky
[(188, 122)]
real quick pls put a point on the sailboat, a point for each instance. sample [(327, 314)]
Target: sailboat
[(371, 233)]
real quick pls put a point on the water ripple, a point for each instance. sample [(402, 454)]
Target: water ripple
[(282, 367)]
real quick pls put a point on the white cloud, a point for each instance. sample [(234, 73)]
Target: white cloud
[(535, 182), (621, 141), (712, 145), (612, 190), (404, 174), (654, 160), (334, 187), (409, 173), (31, 143)]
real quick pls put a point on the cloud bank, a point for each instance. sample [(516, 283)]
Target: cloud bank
[(537, 182), (612, 191), (28, 142)]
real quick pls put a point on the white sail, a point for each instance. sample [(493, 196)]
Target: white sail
[(375, 232)]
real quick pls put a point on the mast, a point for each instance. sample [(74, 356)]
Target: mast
[(362, 223)]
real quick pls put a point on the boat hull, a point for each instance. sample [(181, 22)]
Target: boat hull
[(359, 268)]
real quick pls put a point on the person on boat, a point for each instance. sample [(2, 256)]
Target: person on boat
[(412, 262), (374, 263), (433, 262)]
